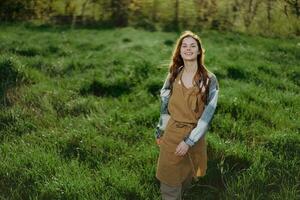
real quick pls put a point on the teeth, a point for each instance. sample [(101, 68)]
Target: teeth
[(188, 53)]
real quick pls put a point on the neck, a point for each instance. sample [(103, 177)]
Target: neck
[(190, 66)]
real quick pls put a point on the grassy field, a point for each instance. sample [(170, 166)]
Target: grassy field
[(79, 108)]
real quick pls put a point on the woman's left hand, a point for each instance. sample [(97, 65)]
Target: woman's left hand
[(181, 149)]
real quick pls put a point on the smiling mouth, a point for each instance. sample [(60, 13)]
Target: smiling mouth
[(188, 54)]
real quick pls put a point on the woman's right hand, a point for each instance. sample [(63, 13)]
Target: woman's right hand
[(158, 141)]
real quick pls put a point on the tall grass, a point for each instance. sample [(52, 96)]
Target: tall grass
[(79, 107)]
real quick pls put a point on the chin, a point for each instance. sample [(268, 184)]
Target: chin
[(190, 59)]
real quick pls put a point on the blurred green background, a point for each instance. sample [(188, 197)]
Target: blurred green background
[(266, 17), (79, 97)]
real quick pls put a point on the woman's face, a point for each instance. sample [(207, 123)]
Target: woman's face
[(189, 49)]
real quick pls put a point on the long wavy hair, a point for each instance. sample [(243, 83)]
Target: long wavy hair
[(201, 77)]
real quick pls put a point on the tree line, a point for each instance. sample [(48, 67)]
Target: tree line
[(271, 17)]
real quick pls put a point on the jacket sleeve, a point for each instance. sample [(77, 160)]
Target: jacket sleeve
[(207, 115), (164, 113)]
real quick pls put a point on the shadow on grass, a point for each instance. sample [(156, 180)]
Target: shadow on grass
[(11, 75), (219, 169), (101, 89)]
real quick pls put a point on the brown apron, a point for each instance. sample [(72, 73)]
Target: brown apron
[(185, 107)]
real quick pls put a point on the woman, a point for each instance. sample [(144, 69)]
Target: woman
[(189, 99)]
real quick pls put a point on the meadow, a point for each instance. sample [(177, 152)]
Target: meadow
[(79, 109)]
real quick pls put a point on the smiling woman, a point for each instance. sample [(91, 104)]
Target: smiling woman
[(189, 99)]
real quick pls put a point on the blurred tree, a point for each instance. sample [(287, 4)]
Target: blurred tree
[(92, 15), (139, 14), (295, 6), (176, 13), (70, 11), (13, 10), (83, 7), (119, 14), (170, 17), (69, 7), (236, 9), (269, 10), (135, 8), (155, 4), (206, 13), (251, 7), (280, 16), (44, 8)]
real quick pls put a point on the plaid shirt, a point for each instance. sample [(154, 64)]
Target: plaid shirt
[(203, 122)]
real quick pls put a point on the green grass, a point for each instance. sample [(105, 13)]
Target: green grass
[(79, 108)]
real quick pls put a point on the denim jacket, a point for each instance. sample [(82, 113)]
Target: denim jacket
[(204, 120)]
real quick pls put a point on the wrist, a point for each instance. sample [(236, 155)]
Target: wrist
[(188, 141)]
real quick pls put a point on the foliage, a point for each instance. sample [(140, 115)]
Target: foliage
[(258, 17)]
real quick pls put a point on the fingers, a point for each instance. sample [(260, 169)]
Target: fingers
[(177, 151), (180, 151), (158, 141)]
